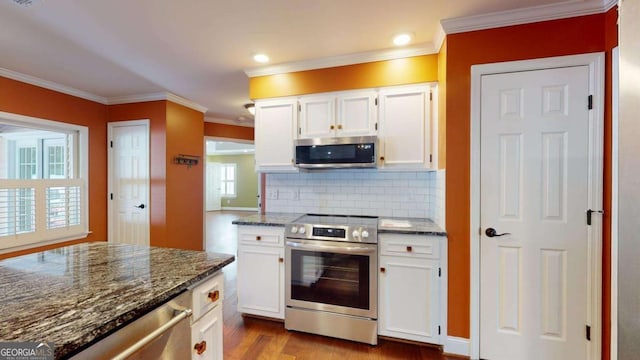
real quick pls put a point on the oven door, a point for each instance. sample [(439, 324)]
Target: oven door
[(332, 276)]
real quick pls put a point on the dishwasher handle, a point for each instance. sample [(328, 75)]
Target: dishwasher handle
[(153, 335)]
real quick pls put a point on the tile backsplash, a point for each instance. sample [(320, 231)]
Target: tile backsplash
[(359, 192)]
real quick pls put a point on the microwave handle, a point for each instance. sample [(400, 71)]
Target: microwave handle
[(341, 249)]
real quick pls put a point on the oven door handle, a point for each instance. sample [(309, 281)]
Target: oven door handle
[(341, 249)]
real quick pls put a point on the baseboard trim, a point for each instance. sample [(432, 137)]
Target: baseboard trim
[(239, 208), (456, 346)]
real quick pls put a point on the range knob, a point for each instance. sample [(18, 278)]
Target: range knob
[(355, 234), (364, 234), (294, 229), (302, 230)]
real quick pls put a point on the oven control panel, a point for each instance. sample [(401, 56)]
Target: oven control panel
[(361, 233)]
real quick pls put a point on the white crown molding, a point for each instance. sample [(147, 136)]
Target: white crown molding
[(526, 15), (341, 60), (439, 37), (46, 84), (608, 4), (156, 97), (14, 75), (247, 122)]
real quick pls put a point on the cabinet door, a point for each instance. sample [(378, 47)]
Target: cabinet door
[(274, 131), (260, 281), (405, 123), (206, 336), (409, 299), (356, 114), (317, 117)]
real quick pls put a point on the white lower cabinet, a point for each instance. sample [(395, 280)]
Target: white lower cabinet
[(206, 336), (261, 271), (409, 287), (206, 321)]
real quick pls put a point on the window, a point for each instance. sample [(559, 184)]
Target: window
[(43, 181), (228, 180)]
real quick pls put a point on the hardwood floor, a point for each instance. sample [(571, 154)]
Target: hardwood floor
[(249, 338)]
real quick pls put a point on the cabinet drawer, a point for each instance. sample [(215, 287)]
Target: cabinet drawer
[(261, 235), (207, 295), (206, 336), (418, 246)]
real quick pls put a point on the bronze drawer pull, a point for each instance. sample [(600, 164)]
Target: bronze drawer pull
[(200, 347), (281, 260), (409, 249), (214, 295), (382, 270), (258, 237)]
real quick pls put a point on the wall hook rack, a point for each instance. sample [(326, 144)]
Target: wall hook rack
[(188, 160)]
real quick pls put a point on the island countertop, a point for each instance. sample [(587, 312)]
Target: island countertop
[(74, 295)]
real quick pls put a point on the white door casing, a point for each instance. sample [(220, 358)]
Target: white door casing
[(536, 169), (213, 187), (128, 182)]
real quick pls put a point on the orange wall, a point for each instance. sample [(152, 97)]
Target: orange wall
[(176, 208), (185, 185), (24, 99), (551, 38), (368, 75), (228, 131), (442, 106)]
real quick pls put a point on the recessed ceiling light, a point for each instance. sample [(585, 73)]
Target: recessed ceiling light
[(402, 39), (261, 58)]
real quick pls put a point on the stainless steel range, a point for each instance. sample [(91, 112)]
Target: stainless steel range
[(331, 276)]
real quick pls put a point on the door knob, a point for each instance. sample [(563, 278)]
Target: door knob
[(491, 232), (141, 206)]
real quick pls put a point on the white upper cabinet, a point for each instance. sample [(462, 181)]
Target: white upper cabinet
[(406, 138), (274, 134), (347, 113), (317, 117), (404, 118), (357, 114)]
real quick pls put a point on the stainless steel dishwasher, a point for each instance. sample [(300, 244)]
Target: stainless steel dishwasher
[(163, 333)]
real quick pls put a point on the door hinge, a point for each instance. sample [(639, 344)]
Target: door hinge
[(299, 108), (430, 158), (590, 100), (439, 272), (299, 131), (376, 126), (111, 143), (376, 101), (111, 196), (590, 212), (588, 333), (438, 329), (430, 96)]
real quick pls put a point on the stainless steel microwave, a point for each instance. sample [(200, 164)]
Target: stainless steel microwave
[(339, 152)]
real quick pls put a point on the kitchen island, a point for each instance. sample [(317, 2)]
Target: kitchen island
[(73, 296)]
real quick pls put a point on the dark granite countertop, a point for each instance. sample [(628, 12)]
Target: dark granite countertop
[(269, 219), (74, 295), (420, 226)]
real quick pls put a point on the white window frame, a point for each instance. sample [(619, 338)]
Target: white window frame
[(80, 157), (224, 181)]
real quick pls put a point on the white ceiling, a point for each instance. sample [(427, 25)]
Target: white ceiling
[(199, 49)]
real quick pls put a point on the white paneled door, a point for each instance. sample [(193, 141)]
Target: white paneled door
[(129, 182), (534, 251)]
